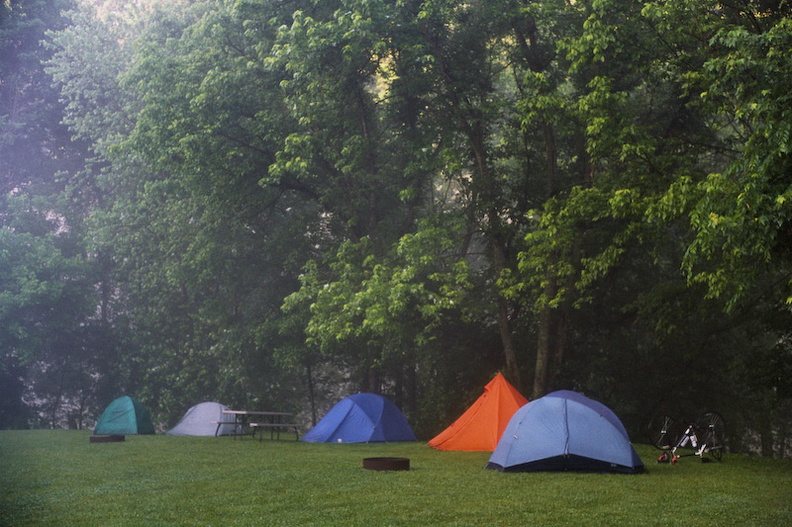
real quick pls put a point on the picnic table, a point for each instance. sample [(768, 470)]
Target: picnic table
[(250, 421)]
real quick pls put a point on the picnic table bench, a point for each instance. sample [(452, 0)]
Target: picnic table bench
[(275, 429), (238, 429), (243, 425)]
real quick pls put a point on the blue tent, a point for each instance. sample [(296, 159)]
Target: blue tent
[(565, 431), (361, 418)]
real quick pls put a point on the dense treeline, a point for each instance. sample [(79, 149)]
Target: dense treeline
[(272, 203)]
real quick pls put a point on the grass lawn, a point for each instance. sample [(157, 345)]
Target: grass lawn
[(59, 478)]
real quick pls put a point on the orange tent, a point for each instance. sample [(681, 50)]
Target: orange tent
[(479, 429)]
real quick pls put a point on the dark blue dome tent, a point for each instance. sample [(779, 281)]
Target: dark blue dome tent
[(361, 418), (565, 431)]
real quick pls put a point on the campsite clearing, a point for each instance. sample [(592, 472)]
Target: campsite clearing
[(59, 478)]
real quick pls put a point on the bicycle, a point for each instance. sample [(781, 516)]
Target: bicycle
[(704, 436)]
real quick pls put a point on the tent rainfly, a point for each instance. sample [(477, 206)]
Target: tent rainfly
[(482, 424), (201, 420), (124, 416), (361, 418), (565, 431)]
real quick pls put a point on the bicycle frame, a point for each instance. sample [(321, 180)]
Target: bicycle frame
[(702, 436), (689, 438)]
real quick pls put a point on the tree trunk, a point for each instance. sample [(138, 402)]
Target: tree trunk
[(311, 393), (484, 190), (544, 343), (766, 439), (504, 323), (546, 348)]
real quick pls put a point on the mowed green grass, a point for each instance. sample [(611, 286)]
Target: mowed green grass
[(59, 478)]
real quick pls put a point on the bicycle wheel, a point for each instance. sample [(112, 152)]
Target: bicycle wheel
[(663, 432), (713, 429)]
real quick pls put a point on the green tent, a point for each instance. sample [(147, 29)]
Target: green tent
[(124, 416)]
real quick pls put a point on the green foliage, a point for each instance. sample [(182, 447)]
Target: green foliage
[(183, 131), (46, 312), (34, 145), (49, 344), (685, 180), (742, 216), (398, 302)]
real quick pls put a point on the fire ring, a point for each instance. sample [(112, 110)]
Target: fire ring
[(386, 463), (114, 438)]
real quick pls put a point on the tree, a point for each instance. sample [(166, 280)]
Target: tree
[(432, 191), (670, 158), (481, 151), (48, 300), (199, 251)]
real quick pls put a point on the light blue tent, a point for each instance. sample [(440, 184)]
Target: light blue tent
[(565, 431), (201, 420), (361, 418)]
